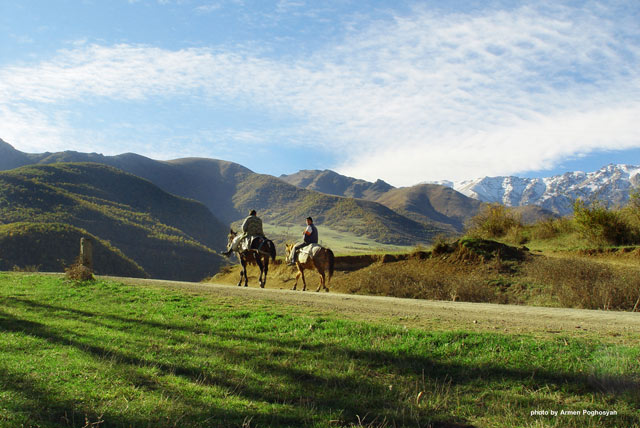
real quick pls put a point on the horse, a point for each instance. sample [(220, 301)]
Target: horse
[(323, 261), (259, 253)]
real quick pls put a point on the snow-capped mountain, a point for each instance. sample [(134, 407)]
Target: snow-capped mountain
[(610, 184)]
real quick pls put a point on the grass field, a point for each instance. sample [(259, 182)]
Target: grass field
[(339, 242), (104, 354)]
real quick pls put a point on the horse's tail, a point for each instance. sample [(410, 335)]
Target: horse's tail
[(331, 262), (272, 250)]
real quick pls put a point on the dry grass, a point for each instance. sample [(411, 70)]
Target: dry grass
[(478, 271), (586, 283), (79, 272)]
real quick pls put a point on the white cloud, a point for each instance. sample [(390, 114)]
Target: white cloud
[(208, 8), (411, 98)]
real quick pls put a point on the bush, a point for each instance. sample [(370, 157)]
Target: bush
[(586, 284), (550, 228), (493, 221), (79, 272), (602, 226)]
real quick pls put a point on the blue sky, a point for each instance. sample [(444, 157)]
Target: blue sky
[(405, 91)]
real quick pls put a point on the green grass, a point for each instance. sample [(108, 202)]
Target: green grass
[(103, 353), (341, 243)]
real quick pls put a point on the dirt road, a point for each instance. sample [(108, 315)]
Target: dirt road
[(608, 326)]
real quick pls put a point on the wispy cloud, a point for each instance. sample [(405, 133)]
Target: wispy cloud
[(208, 8), (407, 98)]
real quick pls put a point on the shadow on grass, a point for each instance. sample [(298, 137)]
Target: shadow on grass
[(297, 396)]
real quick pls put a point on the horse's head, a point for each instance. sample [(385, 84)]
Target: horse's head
[(230, 238)]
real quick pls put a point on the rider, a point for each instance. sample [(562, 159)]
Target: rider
[(251, 226), (310, 236)]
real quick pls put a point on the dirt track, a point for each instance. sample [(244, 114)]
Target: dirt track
[(608, 326)]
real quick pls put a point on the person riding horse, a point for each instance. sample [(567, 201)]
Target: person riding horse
[(310, 236), (251, 227), (257, 248)]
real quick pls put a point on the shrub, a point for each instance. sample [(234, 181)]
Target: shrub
[(602, 226), (79, 272), (550, 228), (493, 221)]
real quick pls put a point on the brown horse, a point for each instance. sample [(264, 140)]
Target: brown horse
[(323, 261), (259, 253)]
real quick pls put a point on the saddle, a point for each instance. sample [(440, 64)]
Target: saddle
[(309, 251), (253, 243)]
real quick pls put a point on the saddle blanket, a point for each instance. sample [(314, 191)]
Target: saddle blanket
[(248, 243), (309, 250)]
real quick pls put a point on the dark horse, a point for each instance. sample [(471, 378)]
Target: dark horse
[(259, 253), (323, 261)]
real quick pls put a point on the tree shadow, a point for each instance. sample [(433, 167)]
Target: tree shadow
[(310, 391)]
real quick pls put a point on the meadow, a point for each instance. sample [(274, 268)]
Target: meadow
[(105, 354)]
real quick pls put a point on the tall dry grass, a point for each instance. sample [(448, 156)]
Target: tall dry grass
[(423, 279), (588, 284), (571, 282)]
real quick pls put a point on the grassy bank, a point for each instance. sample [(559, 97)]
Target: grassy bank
[(77, 354), (481, 271)]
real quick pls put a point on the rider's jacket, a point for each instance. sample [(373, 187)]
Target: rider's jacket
[(311, 234), (252, 226)]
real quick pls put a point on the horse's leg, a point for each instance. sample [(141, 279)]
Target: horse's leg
[(304, 283), (243, 271), (324, 280), (324, 277), (246, 276), (321, 273), (261, 266), (295, 284), (266, 271)]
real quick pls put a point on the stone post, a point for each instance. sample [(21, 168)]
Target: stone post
[(86, 253)]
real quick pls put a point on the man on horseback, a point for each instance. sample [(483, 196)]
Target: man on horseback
[(251, 227), (309, 236)]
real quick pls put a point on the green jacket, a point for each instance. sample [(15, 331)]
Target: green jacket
[(252, 225)]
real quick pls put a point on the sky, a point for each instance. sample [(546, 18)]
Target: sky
[(403, 91)]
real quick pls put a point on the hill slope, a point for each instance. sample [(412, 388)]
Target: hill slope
[(432, 203), (229, 190), (53, 246), (282, 203), (169, 237)]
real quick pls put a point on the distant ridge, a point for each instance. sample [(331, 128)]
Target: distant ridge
[(332, 183), (610, 184), (376, 211)]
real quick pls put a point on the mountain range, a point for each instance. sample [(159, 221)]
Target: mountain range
[(193, 201), (610, 184), (165, 215), (230, 190)]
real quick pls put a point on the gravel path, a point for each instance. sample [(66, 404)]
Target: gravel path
[(608, 326)]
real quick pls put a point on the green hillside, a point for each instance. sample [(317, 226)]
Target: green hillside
[(169, 237), (281, 203), (229, 190), (50, 247), (432, 203)]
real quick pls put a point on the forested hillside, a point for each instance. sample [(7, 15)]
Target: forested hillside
[(169, 237)]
